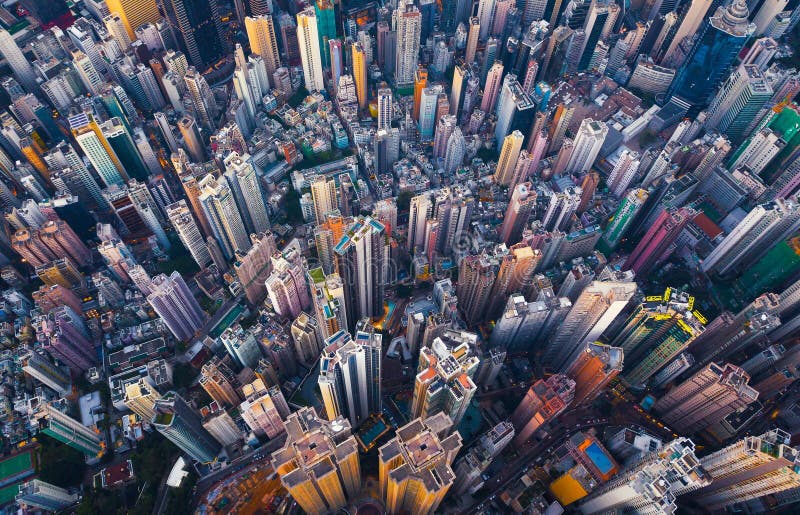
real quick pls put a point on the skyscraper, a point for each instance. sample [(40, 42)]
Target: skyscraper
[(261, 34), (384, 107), (738, 102), (628, 208), (308, 40), (509, 154), (350, 375), (184, 224), (360, 73), (523, 202), (593, 369), (57, 424), (319, 463), (174, 302), (42, 495), (16, 60), (264, 409), (196, 26), (705, 398), (326, 27), (544, 401), (408, 22), (286, 285), (182, 425), (361, 258), (414, 468), (586, 146), (246, 187), (97, 148), (654, 246), (219, 207), (716, 46), (134, 14), (751, 467), (444, 376), (253, 268)]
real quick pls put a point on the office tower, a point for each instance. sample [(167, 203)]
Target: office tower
[(184, 224), (544, 401), (44, 496), (219, 207), (561, 208), (628, 209), (586, 146), (420, 209), (655, 245), (682, 28), (360, 73), (408, 24), (196, 27), (476, 276), (361, 259), (752, 467), (705, 398), (651, 484), (507, 162), (133, 14), (174, 302), (593, 369), (738, 102), (717, 45), (286, 285), (469, 467), (327, 295), (308, 39), (515, 110), (57, 424), (444, 129), (428, 110), (659, 329), (17, 61), (140, 398), (181, 424), (384, 107), (116, 28), (472, 40), (522, 325), (420, 83), (523, 202), (199, 92), (94, 144), (415, 466), (253, 268), (492, 88), (444, 377), (591, 314), (598, 24), (261, 35), (264, 409), (319, 463), (764, 226), (350, 375), (123, 146), (308, 342), (623, 172)]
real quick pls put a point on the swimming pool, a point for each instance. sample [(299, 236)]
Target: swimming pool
[(599, 458)]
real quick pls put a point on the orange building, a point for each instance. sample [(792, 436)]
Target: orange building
[(593, 369)]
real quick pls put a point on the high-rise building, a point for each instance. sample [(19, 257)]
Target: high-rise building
[(359, 60), (444, 376), (327, 295), (196, 26), (752, 467), (319, 462), (133, 14), (408, 23), (350, 375), (593, 369), (764, 226), (591, 314), (40, 367), (543, 402), (286, 285), (654, 246), (308, 342), (182, 425), (140, 398), (415, 466), (586, 146), (705, 398), (174, 302), (507, 162), (310, 54), (219, 382), (44, 496), (246, 187), (470, 466), (717, 44), (264, 409), (659, 329), (17, 61), (623, 172), (523, 325), (184, 224), (325, 196), (94, 144), (261, 35), (199, 92), (57, 424), (651, 484), (219, 207), (361, 258), (523, 202), (629, 207), (385, 109), (253, 268), (739, 102)]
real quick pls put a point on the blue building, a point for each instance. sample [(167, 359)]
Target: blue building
[(721, 39)]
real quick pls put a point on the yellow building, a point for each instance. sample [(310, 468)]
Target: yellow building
[(415, 470), (134, 13), (141, 398)]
